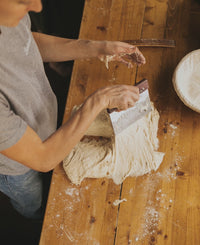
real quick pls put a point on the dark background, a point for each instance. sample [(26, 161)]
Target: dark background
[(61, 18)]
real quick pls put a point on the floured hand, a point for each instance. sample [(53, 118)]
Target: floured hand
[(121, 52)]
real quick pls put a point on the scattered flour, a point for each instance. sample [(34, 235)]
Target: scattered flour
[(72, 191), (173, 127)]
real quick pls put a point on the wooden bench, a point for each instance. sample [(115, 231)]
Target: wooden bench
[(162, 207)]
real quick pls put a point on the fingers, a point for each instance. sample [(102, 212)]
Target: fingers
[(125, 49), (136, 57), (132, 50), (122, 97), (125, 106), (120, 51), (123, 61)]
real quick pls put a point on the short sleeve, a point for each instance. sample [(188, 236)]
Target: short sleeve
[(12, 127)]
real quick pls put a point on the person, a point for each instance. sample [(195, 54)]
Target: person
[(29, 141)]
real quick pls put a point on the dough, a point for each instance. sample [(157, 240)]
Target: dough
[(117, 202), (101, 126), (186, 80), (133, 152), (106, 59)]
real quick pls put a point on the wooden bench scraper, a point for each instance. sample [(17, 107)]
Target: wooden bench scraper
[(123, 119)]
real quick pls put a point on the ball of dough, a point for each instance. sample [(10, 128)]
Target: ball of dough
[(186, 80)]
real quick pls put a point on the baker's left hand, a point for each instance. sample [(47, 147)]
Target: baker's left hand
[(122, 52)]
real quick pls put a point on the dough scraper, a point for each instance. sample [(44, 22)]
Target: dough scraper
[(123, 119)]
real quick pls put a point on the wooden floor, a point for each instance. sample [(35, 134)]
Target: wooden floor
[(162, 207)]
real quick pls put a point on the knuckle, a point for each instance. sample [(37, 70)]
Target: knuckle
[(126, 91), (137, 96), (136, 89), (118, 49), (124, 106)]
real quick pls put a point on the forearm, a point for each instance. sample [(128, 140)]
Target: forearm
[(59, 49), (44, 156), (64, 139)]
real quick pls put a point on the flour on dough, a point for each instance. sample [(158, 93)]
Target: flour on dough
[(133, 152)]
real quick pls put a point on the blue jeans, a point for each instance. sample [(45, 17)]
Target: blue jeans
[(25, 192)]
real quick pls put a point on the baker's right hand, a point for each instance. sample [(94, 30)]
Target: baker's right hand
[(120, 97)]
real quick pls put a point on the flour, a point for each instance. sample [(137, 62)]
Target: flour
[(173, 127), (72, 192), (117, 202), (151, 217), (130, 153), (106, 59)]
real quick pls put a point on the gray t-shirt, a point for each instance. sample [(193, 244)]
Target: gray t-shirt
[(26, 97)]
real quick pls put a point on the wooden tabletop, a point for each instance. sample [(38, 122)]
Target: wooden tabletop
[(162, 207)]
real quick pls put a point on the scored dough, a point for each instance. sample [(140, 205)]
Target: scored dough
[(133, 152)]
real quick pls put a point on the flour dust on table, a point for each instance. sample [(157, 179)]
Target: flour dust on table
[(133, 152)]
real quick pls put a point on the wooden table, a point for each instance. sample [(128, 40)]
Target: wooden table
[(162, 207)]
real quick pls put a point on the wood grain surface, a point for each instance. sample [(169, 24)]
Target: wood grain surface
[(163, 207)]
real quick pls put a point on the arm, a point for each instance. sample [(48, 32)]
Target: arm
[(44, 156), (56, 49)]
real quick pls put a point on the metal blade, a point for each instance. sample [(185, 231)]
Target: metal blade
[(122, 120)]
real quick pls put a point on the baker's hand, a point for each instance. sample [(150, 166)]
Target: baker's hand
[(120, 51), (120, 97)]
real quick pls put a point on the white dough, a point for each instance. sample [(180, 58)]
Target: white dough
[(133, 152), (186, 80), (106, 59), (117, 202)]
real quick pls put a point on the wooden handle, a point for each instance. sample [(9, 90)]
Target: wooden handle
[(165, 43), (142, 85)]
